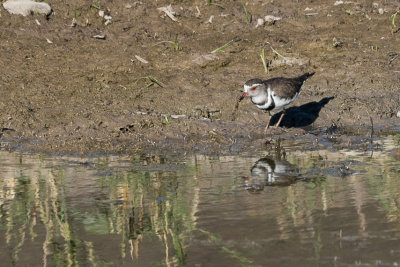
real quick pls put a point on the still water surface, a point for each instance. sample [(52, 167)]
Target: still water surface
[(298, 208)]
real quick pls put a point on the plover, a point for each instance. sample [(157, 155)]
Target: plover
[(275, 93)]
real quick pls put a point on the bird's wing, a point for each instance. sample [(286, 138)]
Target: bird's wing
[(284, 87)]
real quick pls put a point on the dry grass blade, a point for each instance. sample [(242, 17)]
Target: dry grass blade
[(262, 55), (246, 13), (277, 53), (152, 80), (221, 49)]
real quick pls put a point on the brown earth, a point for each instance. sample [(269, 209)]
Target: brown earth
[(81, 94)]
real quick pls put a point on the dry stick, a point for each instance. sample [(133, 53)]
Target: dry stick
[(371, 135), (236, 109), (393, 58)]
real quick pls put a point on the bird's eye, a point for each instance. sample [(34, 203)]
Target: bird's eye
[(253, 88)]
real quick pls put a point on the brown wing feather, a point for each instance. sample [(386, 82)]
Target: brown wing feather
[(287, 87), (284, 87)]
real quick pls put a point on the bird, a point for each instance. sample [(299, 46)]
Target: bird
[(274, 94)]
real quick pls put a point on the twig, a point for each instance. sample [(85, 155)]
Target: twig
[(393, 58), (370, 136)]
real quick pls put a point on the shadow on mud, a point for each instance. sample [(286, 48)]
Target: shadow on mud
[(301, 116)]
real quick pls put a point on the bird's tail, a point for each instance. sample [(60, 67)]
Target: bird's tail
[(305, 76)]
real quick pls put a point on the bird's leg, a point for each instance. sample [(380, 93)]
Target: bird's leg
[(280, 119), (269, 120)]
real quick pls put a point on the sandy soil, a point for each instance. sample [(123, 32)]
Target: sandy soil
[(80, 94)]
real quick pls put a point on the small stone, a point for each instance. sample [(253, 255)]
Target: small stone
[(260, 22), (141, 59), (271, 19), (100, 37), (26, 7), (398, 114), (381, 11), (178, 116)]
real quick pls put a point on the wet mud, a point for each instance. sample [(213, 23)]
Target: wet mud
[(154, 84)]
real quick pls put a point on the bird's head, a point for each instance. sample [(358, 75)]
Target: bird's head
[(252, 88)]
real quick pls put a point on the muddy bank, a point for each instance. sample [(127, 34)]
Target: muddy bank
[(152, 82)]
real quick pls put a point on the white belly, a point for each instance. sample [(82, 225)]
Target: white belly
[(281, 102)]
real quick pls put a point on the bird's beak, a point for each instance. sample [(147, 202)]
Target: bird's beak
[(245, 94)]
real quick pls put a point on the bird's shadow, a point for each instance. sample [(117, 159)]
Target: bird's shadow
[(301, 116)]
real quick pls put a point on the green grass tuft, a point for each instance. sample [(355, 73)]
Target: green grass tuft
[(394, 26), (95, 5), (348, 11), (174, 43)]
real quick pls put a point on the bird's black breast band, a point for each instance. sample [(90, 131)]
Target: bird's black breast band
[(271, 107)]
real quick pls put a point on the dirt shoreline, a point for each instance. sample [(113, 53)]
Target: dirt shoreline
[(82, 95)]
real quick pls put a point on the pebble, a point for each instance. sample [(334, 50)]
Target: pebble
[(178, 116), (100, 37), (26, 7), (398, 114), (267, 19)]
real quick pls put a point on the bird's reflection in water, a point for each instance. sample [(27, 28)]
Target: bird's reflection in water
[(269, 171)]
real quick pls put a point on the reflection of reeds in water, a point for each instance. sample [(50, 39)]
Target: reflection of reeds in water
[(37, 196), (141, 204), (376, 178), (148, 204), (152, 203)]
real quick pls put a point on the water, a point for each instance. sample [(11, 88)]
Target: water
[(292, 208)]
